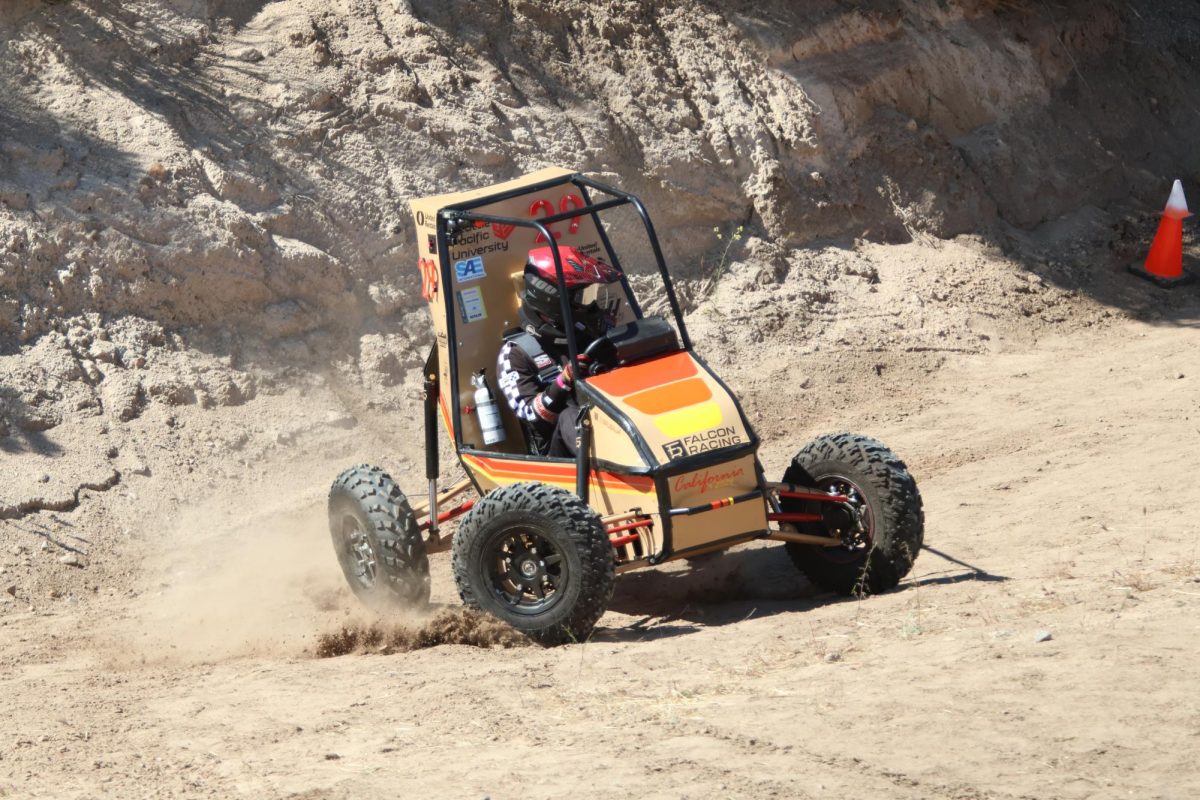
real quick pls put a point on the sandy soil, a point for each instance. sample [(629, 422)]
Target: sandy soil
[(208, 309), (1057, 488)]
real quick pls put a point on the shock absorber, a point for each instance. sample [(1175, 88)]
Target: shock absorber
[(431, 445)]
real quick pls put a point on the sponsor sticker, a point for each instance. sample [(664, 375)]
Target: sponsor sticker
[(701, 482), (502, 230), (702, 442), (470, 305), (476, 242), (470, 269)]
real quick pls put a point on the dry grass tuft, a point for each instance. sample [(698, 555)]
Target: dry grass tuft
[(1135, 580)]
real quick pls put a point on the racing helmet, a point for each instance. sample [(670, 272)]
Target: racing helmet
[(594, 298)]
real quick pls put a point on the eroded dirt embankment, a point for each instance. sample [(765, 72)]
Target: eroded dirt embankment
[(205, 166), (202, 205), (208, 308), (192, 193)]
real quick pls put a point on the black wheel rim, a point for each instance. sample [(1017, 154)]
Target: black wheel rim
[(524, 571), (359, 553), (856, 527)]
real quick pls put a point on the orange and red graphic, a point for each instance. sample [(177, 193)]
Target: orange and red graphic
[(568, 202), (429, 278), (505, 471), (670, 390)]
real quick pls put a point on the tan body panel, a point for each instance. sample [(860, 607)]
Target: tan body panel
[(610, 493), (712, 485)]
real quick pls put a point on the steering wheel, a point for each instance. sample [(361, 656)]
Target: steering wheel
[(598, 357)]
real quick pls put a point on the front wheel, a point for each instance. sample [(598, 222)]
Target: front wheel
[(538, 558), (882, 529), (377, 540)]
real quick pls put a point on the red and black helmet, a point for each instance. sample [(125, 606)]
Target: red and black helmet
[(587, 280)]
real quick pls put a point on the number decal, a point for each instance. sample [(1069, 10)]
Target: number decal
[(429, 278), (545, 208), (568, 202), (534, 207)]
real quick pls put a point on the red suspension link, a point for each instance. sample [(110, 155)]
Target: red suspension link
[(644, 522), (458, 510), (815, 496), (793, 517)]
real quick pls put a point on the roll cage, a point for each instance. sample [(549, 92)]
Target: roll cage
[(455, 219)]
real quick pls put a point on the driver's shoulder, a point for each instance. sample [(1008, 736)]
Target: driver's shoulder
[(526, 349)]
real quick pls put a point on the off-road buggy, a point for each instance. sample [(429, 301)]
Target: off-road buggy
[(667, 464)]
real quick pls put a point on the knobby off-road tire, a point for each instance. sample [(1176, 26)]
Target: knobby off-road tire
[(377, 540), (889, 508), (536, 557)]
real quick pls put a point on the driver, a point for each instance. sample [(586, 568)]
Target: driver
[(533, 369)]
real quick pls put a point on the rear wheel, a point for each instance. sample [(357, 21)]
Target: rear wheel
[(538, 558), (377, 539), (881, 528)]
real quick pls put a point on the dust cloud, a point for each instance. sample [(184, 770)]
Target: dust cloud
[(235, 585)]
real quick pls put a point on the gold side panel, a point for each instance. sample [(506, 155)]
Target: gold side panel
[(610, 443), (713, 484)]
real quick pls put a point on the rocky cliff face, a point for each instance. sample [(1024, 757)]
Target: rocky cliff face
[(228, 168)]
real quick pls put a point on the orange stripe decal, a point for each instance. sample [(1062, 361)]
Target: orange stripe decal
[(502, 469), (446, 417), (515, 467), (647, 375), (671, 397)]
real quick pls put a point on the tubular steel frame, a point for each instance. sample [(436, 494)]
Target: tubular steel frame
[(454, 219)]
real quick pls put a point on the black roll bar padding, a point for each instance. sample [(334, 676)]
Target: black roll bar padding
[(463, 212), (662, 268), (583, 443), (451, 332), (431, 392)]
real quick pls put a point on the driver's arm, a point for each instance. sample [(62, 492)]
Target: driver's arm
[(517, 377)]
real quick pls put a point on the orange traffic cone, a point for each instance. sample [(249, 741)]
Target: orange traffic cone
[(1164, 264)]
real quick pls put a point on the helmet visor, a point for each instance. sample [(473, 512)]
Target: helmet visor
[(596, 306)]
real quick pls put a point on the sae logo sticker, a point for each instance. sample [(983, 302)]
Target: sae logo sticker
[(469, 270)]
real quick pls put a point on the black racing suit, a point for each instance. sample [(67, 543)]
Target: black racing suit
[(539, 397)]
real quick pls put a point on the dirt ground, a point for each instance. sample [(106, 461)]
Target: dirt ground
[(1041, 648), (908, 220)]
